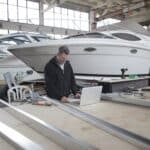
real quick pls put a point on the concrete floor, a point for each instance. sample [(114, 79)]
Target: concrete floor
[(130, 117), (26, 130)]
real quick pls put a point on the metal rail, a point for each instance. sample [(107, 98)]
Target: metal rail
[(19, 142), (127, 100), (58, 136), (129, 136)]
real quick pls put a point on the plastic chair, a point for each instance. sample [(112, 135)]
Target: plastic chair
[(17, 92)]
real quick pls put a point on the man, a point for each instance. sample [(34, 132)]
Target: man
[(59, 76)]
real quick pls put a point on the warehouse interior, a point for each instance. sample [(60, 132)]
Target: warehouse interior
[(75, 75)]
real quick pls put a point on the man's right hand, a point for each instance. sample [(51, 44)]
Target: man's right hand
[(64, 99)]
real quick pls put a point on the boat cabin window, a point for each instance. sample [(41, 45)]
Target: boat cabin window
[(126, 36), (41, 38), (7, 42), (15, 40), (91, 35)]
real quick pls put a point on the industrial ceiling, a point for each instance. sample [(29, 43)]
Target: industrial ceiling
[(119, 9)]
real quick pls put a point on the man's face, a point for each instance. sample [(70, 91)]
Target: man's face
[(62, 57)]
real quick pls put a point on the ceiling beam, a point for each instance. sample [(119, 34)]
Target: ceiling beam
[(122, 11)]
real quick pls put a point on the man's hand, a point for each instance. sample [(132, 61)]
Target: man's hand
[(64, 99), (78, 95)]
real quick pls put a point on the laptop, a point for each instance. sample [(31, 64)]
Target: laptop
[(89, 95)]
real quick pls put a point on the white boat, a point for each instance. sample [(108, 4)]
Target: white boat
[(8, 62), (18, 39), (95, 53)]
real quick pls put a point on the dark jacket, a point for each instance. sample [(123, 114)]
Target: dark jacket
[(59, 83)]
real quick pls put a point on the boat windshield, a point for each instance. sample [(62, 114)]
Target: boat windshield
[(15, 40), (41, 38), (91, 35)]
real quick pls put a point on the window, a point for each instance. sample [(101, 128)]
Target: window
[(98, 35), (41, 38), (126, 36), (12, 2), (22, 12), (21, 40), (33, 12), (33, 5), (3, 1), (66, 18), (57, 20), (12, 13), (22, 3), (91, 35), (3, 11), (7, 42), (48, 17), (15, 40), (70, 19), (77, 20), (3, 31), (33, 16)]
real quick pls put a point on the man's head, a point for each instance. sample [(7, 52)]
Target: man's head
[(62, 54)]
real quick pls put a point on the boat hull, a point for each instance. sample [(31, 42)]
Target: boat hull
[(90, 57)]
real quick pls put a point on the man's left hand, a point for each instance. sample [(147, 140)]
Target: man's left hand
[(78, 95)]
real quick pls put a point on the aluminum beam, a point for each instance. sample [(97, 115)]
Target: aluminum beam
[(58, 136), (20, 142), (126, 135), (127, 100)]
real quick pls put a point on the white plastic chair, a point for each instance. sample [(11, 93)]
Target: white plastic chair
[(17, 92)]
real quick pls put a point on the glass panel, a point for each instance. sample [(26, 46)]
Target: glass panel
[(65, 21), (77, 24), (34, 5), (3, 1), (57, 20), (22, 3), (84, 26), (71, 19), (84, 16), (12, 2), (33, 16), (22, 15), (3, 11), (57, 10), (49, 19), (41, 38), (77, 14), (8, 41), (12, 13), (64, 11), (20, 39), (70, 13), (12, 31), (2, 32)]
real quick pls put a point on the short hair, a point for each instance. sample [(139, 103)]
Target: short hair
[(64, 49)]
